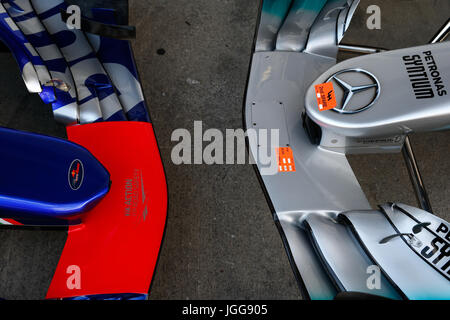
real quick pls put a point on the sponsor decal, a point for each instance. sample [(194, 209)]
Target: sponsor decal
[(388, 140), (76, 174), (285, 158), (326, 97), (135, 196), (350, 90), (437, 252), (423, 72)]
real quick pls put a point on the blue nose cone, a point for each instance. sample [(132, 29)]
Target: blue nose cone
[(47, 177)]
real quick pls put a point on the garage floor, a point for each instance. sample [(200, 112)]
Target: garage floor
[(221, 242)]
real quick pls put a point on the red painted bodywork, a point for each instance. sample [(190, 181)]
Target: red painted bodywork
[(117, 245), (13, 222)]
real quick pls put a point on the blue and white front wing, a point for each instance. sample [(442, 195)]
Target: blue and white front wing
[(87, 78), (92, 84)]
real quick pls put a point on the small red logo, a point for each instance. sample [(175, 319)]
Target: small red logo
[(76, 174)]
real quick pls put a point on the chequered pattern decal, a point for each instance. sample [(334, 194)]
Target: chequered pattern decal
[(86, 78)]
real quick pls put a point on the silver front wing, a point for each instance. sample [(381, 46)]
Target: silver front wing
[(331, 233)]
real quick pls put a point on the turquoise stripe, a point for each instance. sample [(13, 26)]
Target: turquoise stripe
[(310, 5), (444, 128), (277, 8)]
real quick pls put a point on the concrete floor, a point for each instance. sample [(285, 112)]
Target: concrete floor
[(221, 242)]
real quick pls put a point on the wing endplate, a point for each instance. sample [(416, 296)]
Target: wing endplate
[(116, 248)]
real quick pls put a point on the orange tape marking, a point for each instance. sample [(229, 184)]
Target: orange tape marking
[(285, 158), (326, 97)]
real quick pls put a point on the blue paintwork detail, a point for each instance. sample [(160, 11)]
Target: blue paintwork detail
[(67, 38), (56, 97), (16, 40), (64, 38), (53, 11), (39, 39), (13, 5), (39, 221), (24, 17), (139, 113), (18, 51), (119, 52), (100, 87), (122, 50), (118, 116), (110, 51), (48, 94), (61, 39), (35, 177), (119, 296)]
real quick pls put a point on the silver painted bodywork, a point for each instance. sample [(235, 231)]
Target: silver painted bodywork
[(433, 242), (325, 178), (271, 19), (347, 264), (415, 278), (294, 33), (329, 229), (329, 27), (324, 181), (395, 113), (31, 78)]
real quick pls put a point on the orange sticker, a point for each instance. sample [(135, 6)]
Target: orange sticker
[(285, 158), (326, 97)]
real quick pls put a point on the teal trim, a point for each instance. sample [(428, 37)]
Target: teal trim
[(444, 128), (310, 5), (277, 8)]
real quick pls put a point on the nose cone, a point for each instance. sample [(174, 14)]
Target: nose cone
[(348, 91), (46, 176)]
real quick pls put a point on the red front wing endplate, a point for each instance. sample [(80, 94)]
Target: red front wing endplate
[(116, 248)]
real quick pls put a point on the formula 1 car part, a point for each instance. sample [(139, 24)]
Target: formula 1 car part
[(107, 185), (319, 111)]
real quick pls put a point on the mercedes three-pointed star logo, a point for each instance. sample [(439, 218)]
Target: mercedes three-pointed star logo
[(351, 90)]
